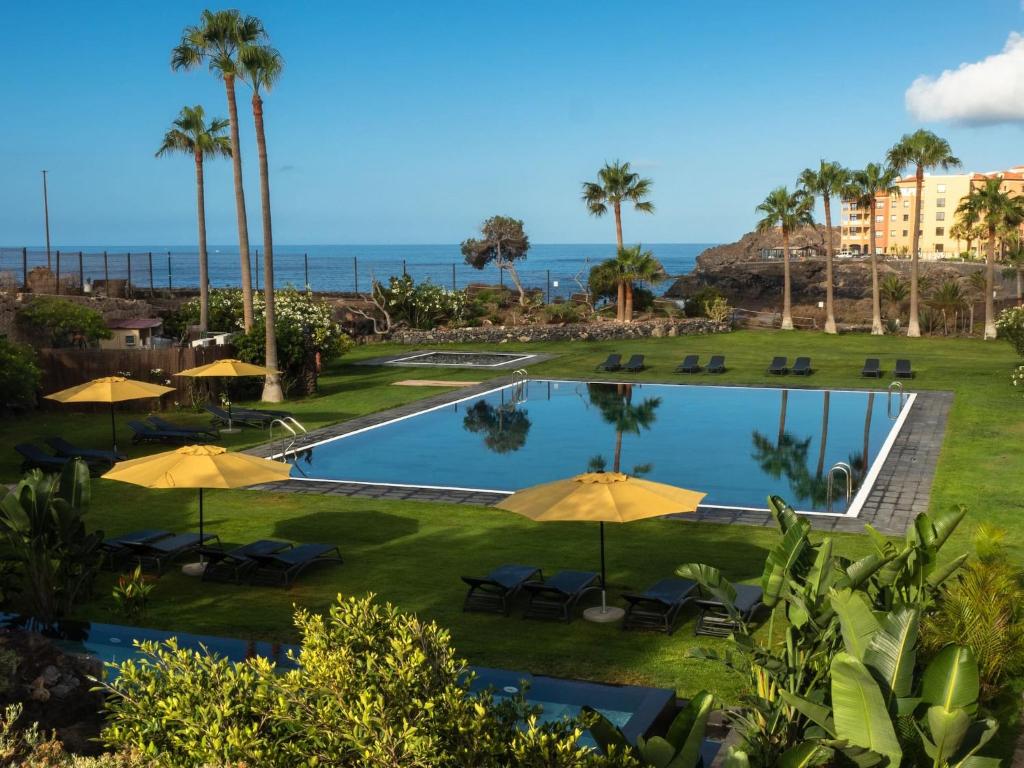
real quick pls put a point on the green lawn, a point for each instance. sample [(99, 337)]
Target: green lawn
[(413, 553)]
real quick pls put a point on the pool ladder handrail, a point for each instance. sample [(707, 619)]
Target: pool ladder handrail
[(898, 387), (287, 422), (847, 470), (519, 378)]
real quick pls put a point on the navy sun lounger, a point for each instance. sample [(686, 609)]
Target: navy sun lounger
[(903, 370), (232, 564), (802, 367), (613, 363), (715, 620), (284, 566), (872, 368), (690, 364), (222, 418), (635, 364), (779, 366), (557, 597), (34, 457), (170, 426), (716, 364), (144, 433), (67, 450), (117, 548), (156, 555), (658, 607), (494, 592)]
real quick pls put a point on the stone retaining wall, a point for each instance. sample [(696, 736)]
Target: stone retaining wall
[(500, 334)]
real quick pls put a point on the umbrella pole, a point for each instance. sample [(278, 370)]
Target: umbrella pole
[(200, 518), (113, 430), (604, 582), (602, 614)]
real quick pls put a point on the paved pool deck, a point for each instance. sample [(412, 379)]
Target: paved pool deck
[(901, 490)]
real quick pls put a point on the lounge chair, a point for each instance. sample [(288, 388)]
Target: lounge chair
[(555, 598), (170, 426), (283, 566), (232, 564), (715, 621), (690, 364), (221, 418), (716, 364), (34, 457), (903, 370), (263, 412), (66, 449), (494, 592), (779, 366), (635, 364), (802, 367), (144, 433), (116, 549), (157, 554), (659, 606), (613, 363), (872, 368)]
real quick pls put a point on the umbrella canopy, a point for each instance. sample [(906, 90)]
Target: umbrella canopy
[(601, 497), (198, 466), (110, 389), (606, 497), (228, 367)]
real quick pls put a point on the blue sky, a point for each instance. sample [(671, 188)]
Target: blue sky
[(410, 122)]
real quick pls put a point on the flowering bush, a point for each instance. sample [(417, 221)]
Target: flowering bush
[(1017, 377), (421, 306), (1010, 325)]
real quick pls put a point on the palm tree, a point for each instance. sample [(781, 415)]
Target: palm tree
[(996, 210), (260, 66), (1014, 255), (830, 179), (920, 150), (616, 185), (948, 298), (192, 135), (218, 40), (638, 265), (787, 211), (865, 186), (615, 402)]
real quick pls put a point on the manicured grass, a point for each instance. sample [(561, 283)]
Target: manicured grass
[(413, 553)]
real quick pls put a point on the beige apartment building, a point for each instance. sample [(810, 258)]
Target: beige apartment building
[(940, 196)]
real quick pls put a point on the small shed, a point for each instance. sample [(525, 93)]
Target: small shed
[(132, 333)]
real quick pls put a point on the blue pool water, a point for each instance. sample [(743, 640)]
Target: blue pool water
[(737, 444)]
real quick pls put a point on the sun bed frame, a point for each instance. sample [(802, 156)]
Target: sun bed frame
[(284, 566), (659, 606), (494, 592), (557, 597)]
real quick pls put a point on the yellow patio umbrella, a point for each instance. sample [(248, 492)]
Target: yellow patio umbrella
[(229, 368), (603, 497), (199, 466), (110, 389)]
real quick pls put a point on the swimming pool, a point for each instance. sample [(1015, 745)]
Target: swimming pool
[(737, 444)]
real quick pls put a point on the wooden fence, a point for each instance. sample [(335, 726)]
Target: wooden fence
[(63, 368)]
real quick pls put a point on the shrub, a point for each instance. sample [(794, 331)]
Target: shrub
[(698, 302), (422, 305), (131, 593), (717, 310), (63, 323), (19, 377), (1010, 326), (563, 313), (376, 689)]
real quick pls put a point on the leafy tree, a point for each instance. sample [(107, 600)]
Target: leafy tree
[(921, 150), (615, 403), (374, 688), (63, 323), (503, 243), (618, 276), (505, 427), (192, 135), (42, 523), (996, 210), (617, 184), (786, 211), (219, 40), (19, 377), (828, 180), (260, 67), (865, 187)]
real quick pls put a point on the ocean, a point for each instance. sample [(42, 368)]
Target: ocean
[(552, 267)]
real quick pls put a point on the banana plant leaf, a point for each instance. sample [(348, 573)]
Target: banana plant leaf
[(804, 755), (946, 732), (859, 710), (856, 621), (781, 560), (951, 680), (892, 652)]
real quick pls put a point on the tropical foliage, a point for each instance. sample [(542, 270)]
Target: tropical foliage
[(19, 377), (62, 323), (42, 524), (630, 265), (420, 305), (373, 687), (1010, 326), (617, 184), (503, 242), (922, 151), (865, 187), (828, 180)]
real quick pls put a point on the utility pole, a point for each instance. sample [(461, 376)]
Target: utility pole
[(46, 219)]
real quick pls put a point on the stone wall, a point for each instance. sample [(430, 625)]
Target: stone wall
[(110, 308), (500, 334)]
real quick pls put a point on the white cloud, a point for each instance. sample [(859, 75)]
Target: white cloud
[(980, 93)]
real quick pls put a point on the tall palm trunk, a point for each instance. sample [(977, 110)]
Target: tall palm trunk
[(782, 416), (913, 323), (1020, 285), (830, 310), (787, 303), (618, 224), (824, 431), (243, 222), (620, 301), (867, 430), (272, 392), (628, 313), (204, 267), (990, 284), (876, 297)]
